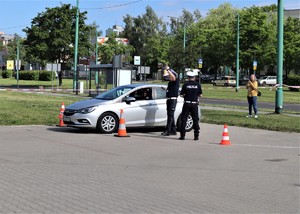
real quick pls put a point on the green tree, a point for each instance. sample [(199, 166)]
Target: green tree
[(52, 34), (184, 32), (148, 35), (292, 45), (12, 49), (112, 47), (219, 42), (258, 37)]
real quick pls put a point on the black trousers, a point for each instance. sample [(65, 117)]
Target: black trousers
[(171, 106), (192, 109)]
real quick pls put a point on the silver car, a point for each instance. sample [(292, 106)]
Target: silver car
[(144, 105)]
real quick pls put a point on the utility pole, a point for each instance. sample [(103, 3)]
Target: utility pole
[(279, 92), (18, 60), (237, 51), (184, 41), (96, 58), (76, 49)]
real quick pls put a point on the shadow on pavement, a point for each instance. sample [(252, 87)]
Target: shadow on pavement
[(92, 131)]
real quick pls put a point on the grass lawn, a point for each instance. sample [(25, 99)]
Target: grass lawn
[(18, 108), (271, 121), (209, 91)]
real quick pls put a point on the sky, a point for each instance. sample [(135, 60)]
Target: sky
[(17, 14)]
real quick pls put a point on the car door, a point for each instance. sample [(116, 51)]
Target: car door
[(160, 106), (140, 112)]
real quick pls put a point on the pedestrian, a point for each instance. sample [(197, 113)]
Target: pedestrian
[(60, 78), (252, 87), (171, 94), (191, 91)]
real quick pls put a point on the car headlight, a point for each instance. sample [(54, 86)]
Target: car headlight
[(87, 110)]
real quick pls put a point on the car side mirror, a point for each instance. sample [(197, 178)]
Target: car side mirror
[(128, 100)]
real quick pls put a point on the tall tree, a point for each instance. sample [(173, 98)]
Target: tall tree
[(292, 45), (52, 34), (12, 49), (148, 35), (112, 47), (258, 37), (183, 40), (220, 37)]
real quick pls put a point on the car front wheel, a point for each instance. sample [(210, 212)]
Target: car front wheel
[(189, 123), (108, 123)]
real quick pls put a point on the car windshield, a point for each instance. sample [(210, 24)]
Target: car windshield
[(114, 93)]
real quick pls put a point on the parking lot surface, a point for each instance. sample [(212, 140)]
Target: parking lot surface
[(49, 169)]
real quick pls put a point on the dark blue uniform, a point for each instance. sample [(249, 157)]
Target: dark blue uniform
[(191, 91), (171, 94)]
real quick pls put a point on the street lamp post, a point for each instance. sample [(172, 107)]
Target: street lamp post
[(96, 59), (279, 92), (76, 48), (237, 52), (184, 41), (18, 61)]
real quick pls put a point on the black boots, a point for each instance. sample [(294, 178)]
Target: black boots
[(182, 135)]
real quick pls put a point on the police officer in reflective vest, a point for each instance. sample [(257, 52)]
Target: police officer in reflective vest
[(191, 91), (171, 94)]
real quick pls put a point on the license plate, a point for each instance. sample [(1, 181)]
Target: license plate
[(67, 119)]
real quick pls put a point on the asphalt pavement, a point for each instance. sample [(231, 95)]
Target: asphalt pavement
[(49, 169)]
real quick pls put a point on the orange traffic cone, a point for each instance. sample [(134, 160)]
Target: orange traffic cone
[(61, 115), (225, 136), (122, 127)]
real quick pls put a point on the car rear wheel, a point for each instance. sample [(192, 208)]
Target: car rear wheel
[(189, 123), (226, 85), (108, 123)]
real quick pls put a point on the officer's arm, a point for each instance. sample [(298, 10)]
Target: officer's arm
[(200, 91), (172, 76)]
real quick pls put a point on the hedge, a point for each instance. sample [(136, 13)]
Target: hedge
[(6, 74), (293, 80), (29, 75)]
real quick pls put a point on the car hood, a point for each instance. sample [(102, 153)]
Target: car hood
[(88, 103)]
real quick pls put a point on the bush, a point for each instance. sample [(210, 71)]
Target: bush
[(293, 80), (29, 75), (45, 76), (6, 74)]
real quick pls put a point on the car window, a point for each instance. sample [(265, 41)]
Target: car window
[(114, 93), (142, 94), (160, 93)]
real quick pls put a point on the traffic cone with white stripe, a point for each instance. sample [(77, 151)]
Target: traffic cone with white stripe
[(225, 136), (61, 115), (122, 128)]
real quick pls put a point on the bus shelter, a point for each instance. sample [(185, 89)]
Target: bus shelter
[(107, 75)]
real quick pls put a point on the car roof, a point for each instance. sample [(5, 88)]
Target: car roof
[(135, 85)]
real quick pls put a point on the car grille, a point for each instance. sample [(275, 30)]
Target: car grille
[(70, 112)]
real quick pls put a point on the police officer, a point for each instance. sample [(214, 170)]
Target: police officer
[(191, 91), (171, 94)]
